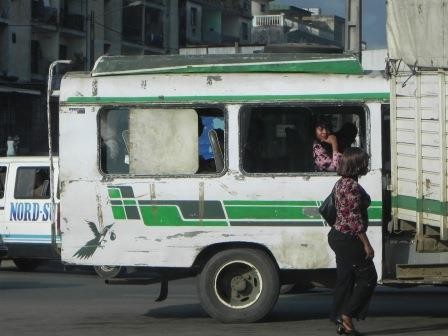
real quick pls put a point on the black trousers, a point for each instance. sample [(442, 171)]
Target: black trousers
[(356, 276)]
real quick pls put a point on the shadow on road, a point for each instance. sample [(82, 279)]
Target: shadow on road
[(186, 311), (5, 285), (316, 305), (426, 329)]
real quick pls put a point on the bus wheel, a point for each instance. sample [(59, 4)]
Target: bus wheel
[(109, 272), (27, 265), (239, 285)]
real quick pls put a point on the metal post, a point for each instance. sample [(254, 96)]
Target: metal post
[(353, 27), (50, 145)]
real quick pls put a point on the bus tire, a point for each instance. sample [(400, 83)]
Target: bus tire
[(109, 272), (27, 264), (239, 285)]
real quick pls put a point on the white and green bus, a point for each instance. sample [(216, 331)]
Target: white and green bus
[(202, 166)]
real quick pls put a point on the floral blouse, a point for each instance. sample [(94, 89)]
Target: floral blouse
[(351, 203), (323, 161)]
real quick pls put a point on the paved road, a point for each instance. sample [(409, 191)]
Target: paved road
[(50, 302)]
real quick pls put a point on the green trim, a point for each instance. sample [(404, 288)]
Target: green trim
[(270, 212), (359, 96), (170, 216), (348, 67), (216, 64), (118, 212), (129, 202), (270, 203), (114, 192), (420, 205)]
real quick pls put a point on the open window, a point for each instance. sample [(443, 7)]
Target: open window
[(279, 139), (162, 141)]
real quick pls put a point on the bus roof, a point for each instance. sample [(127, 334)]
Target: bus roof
[(237, 63)]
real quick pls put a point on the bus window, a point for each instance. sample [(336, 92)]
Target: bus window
[(279, 139), (154, 141), (2, 181), (32, 183)]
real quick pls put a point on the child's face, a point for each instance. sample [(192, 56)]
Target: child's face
[(321, 133)]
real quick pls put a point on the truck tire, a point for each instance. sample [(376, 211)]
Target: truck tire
[(239, 285), (109, 272), (26, 264)]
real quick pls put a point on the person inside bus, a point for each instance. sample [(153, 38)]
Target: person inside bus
[(356, 274), (346, 136), (326, 153)]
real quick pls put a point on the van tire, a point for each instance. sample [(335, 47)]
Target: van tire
[(26, 264), (109, 272), (239, 285)]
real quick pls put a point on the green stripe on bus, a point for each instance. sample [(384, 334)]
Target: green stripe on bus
[(170, 216), (114, 192), (359, 96), (118, 212), (271, 203), (267, 213), (347, 67), (420, 205)]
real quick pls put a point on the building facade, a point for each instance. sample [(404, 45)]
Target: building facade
[(275, 23), (34, 33)]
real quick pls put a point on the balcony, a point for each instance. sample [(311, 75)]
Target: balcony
[(43, 14), (72, 21), (4, 15), (269, 20)]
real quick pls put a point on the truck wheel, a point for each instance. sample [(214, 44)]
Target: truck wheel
[(239, 285), (109, 272), (27, 265)]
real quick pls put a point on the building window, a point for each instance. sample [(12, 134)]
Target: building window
[(193, 17), (32, 183), (151, 141), (244, 31), (280, 139), (263, 8)]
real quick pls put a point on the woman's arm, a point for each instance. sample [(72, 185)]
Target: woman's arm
[(370, 253), (323, 161)]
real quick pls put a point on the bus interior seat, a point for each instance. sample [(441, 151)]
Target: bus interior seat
[(217, 150)]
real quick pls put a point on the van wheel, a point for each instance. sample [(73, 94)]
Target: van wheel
[(27, 265), (109, 272), (239, 285)]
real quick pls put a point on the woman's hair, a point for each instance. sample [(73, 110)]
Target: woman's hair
[(354, 163), (322, 122)]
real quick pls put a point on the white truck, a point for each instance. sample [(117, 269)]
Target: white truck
[(418, 68)]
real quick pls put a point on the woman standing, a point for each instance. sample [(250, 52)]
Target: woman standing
[(356, 274)]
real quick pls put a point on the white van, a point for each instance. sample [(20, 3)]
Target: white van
[(25, 214), (26, 210), (202, 165)]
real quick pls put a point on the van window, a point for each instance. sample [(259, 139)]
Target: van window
[(2, 181), (32, 183), (279, 139), (156, 141)]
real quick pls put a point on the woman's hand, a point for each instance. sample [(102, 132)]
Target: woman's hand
[(331, 139), (370, 253)]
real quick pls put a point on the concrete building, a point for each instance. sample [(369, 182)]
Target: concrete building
[(211, 22), (289, 24), (34, 33)]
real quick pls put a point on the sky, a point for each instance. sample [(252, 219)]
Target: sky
[(374, 17)]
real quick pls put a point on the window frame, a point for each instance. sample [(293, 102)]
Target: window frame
[(16, 179), (244, 107), (221, 107), (2, 199)]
